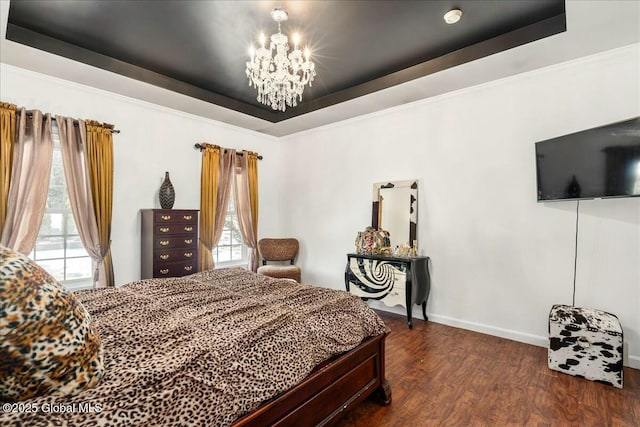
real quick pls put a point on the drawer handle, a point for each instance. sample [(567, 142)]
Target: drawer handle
[(188, 254), (164, 271), (164, 229), (164, 242), (166, 217), (188, 228), (188, 267), (187, 217), (165, 256), (188, 241)]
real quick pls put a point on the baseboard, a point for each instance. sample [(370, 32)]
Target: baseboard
[(540, 341), (633, 362)]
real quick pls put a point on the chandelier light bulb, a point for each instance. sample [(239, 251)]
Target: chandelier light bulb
[(278, 75)]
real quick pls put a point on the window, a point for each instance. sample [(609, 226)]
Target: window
[(230, 250), (58, 248)]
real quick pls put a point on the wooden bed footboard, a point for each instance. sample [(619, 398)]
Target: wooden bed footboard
[(324, 396)]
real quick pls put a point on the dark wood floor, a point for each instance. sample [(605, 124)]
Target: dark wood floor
[(444, 376)]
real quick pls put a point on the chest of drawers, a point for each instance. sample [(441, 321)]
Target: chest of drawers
[(392, 280), (169, 242)]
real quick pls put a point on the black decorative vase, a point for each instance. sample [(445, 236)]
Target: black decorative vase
[(167, 193)]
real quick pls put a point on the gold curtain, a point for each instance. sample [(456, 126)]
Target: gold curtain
[(7, 139), (208, 204), (252, 172), (100, 160)]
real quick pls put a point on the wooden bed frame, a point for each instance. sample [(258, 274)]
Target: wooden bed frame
[(330, 390)]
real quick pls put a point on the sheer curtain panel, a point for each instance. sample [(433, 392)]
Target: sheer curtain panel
[(30, 171), (225, 179), (246, 198), (73, 142)]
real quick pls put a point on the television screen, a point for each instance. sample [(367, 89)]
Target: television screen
[(595, 163)]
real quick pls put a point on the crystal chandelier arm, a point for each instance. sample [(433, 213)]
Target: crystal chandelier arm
[(279, 77)]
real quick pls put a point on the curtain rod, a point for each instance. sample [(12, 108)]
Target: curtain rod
[(238, 153), (75, 122)]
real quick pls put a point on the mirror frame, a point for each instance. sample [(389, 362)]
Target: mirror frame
[(413, 204)]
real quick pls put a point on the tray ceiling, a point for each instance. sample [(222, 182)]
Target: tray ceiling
[(199, 48)]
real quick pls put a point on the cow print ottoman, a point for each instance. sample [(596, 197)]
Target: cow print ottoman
[(586, 343)]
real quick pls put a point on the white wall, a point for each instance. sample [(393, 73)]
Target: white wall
[(152, 140), (499, 258)]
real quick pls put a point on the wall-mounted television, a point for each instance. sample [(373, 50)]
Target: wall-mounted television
[(595, 163)]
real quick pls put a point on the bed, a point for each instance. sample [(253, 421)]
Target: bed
[(223, 347)]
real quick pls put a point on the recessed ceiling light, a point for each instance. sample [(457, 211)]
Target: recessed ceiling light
[(452, 16)]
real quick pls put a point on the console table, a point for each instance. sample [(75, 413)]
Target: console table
[(392, 280)]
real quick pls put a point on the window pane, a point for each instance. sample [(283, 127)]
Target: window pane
[(236, 237), (224, 253), (225, 239), (49, 247), (230, 248), (79, 268), (51, 224), (75, 247), (54, 267), (57, 197), (71, 224), (58, 230), (230, 222)]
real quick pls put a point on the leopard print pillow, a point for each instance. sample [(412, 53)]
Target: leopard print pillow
[(48, 342)]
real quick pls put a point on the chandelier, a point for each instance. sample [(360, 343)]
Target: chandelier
[(280, 78)]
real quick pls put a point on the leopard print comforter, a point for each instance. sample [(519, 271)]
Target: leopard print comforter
[(203, 349)]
